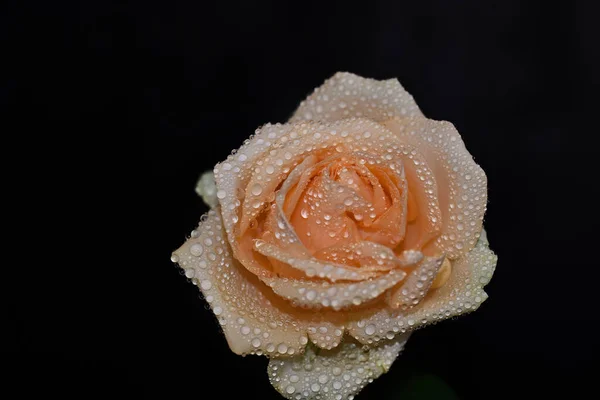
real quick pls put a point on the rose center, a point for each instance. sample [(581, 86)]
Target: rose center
[(343, 200)]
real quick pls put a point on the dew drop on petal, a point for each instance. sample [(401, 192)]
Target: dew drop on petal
[(282, 348), (256, 189), (206, 284), (196, 249)]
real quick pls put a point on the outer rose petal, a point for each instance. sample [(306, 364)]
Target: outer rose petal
[(347, 95), (461, 183), (335, 374), (326, 334), (462, 293), (335, 295), (253, 319)]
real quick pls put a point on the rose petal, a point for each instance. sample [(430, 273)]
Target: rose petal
[(390, 226), (333, 374), (461, 183), (423, 210), (260, 190), (253, 318), (416, 285), (312, 266), (333, 295), (348, 95), (462, 293), (327, 334)]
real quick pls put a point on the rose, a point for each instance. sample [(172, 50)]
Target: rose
[(345, 230)]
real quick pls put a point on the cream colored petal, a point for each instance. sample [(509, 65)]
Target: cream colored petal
[(313, 267), (337, 374), (370, 256), (251, 316), (416, 285), (348, 95), (461, 183), (327, 334), (462, 293), (318, 294), (207, 189)]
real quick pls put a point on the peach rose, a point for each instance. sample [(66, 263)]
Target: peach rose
[(334, 236)]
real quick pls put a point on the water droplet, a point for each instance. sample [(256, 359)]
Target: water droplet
[(290, 389), (196, 249), (315, 387), (174, 258), (256, 342), (282, 348), (370, 329), (221, 194), (206, 284), (256, 189), (311, 295)]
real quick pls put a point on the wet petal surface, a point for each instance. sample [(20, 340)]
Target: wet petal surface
[(348, 95), (337, 374)]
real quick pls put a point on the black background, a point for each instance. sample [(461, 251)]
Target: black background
[(175, 86)]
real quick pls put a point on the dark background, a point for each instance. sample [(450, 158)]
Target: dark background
[(175, 86)]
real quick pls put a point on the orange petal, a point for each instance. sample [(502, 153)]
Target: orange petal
[(348, 95), (461, 183), (389, 227)]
